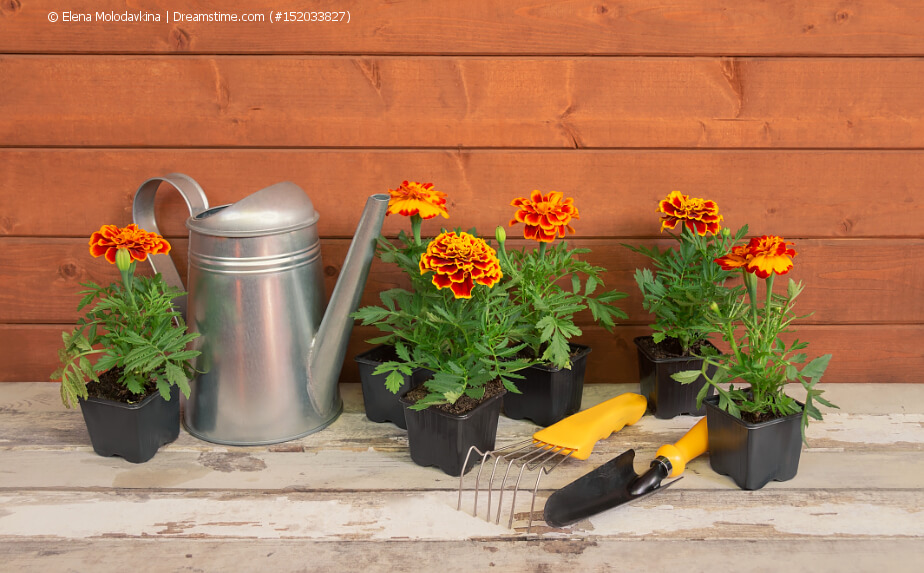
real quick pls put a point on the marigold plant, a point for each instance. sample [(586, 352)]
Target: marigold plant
[(545, 217), (458, 261), (700, 216), (136, 242), (547, 307), (752, 328), (684, 280), (132, 327), (457, 321)]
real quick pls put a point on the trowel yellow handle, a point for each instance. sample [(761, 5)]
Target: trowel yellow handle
[(692, 444), (581, 431)]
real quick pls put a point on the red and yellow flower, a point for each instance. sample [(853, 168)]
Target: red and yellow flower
[(545, 216), (137, 242), (762, 256), (698, 215), (413, 198), (458, 261)]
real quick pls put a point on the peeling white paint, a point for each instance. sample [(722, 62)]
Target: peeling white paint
[(429, 516), (824, 519), (880, 429)]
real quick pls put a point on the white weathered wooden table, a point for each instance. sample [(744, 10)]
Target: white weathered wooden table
[(349, 498)]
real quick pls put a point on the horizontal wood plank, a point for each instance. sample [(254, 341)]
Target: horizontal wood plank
[(862, 193), (432, 516), (859, 281), (297, 101), (35, 421), (867, 354), (195, 503), (864, 27), (594, 554)]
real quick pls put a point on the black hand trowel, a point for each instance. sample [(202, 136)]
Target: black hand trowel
[(615, 483)]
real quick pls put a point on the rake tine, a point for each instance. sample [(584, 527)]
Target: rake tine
[(532, 505), (550, 453), (516, 450), (462, 474), (524, 459)]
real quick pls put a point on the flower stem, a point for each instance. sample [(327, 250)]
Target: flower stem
[(128, 272), (750, 281), (415, 228), (542, 250)]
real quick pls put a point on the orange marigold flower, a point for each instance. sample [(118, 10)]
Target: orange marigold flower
[(698, 215), (139, 243), (460, 261), (737, 258), (545, 216), (762, 256), (413, 198)]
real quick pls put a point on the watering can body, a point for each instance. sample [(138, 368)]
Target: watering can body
[(270, 354)]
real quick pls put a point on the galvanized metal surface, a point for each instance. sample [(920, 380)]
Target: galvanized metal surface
[(271, 356)]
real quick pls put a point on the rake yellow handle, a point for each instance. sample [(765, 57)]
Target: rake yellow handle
[(692, 444), (581, 431)]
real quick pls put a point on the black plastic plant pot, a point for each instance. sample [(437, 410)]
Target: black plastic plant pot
[(549, 394), (132, 431), (381, 405), (436, 438), (753, 454), (668, 398)]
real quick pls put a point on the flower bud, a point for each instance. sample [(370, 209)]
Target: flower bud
[(123, 259), (501, 235), (714, 307), (726, 232)]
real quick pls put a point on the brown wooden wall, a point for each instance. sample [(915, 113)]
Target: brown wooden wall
[(803, 119)]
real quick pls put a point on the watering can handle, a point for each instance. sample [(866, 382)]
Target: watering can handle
[(143, 216)]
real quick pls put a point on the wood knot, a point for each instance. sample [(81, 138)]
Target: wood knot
[(331, 270), (179, 39), (68, 270), (808, 28), (602, 9), (842, 16), (11, 6), (7, 224)]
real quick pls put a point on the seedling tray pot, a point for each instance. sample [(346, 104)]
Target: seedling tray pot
[(549, 394), (436, 438), (753, 454), (668, 398), (132, 431), (380, 404)]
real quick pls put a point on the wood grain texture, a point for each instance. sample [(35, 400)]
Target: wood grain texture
[(352, 489), (801, 193), (693, 27), (849, 281), (862, 354), (293, 101), (34, 421), (595, 554)]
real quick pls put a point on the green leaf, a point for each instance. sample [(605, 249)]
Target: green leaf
[(686, 376), (591, 285), (816, 368), (393, 381), (402, 351)]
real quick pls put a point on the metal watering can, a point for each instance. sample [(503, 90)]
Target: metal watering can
[(271, 355)]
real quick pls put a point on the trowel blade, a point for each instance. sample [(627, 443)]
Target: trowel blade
[(599, 490)]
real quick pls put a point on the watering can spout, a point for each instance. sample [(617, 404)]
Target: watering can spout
[(330, 344)]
